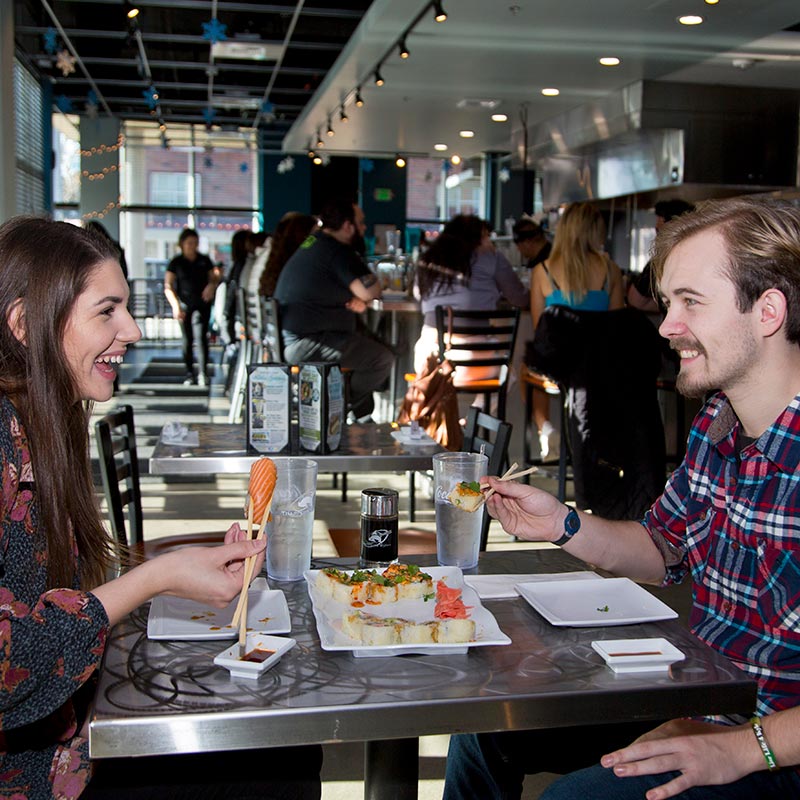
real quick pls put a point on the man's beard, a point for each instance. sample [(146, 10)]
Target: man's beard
[(358, 244)]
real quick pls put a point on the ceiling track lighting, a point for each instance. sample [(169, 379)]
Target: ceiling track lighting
[(342, 115), (330, 130), (359, 101), (131, 10), (379, 81), (399, 161), (403, 49), (439, 13)]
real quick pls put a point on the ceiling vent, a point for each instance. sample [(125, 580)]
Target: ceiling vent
[(478, 104), (247, 49)]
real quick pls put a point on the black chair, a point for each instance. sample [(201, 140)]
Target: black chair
[(271, 329), (487, 434), (482, 433), (479, 339), (119, 469)]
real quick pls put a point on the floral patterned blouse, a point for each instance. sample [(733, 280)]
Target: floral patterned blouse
[(51, 643)]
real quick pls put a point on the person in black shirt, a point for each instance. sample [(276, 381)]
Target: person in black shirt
[(190, 285), (531, 241), (321, 290)]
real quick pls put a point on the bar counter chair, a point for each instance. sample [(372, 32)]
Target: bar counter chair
[(119, 468), (479, 339)]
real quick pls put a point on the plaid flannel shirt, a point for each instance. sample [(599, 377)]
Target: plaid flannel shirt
[(733, 521)]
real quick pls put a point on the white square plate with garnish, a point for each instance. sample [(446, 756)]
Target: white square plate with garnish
[(329, 615), (176, 618), (611, 601), (638, 655), (261, 652)]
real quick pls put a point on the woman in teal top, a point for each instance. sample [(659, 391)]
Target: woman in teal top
[(577, 274)]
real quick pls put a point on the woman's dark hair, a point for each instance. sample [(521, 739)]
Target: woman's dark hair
[(44, 267), (185, 234), (239, 246), (292, 230), (450, 256)]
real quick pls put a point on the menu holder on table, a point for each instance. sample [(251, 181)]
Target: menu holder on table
[(320, 407), (269, 408)]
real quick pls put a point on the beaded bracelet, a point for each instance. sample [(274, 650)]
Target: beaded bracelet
[(769, 756)]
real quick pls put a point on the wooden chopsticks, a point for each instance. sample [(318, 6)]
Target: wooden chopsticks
[(240, 614), (510, 475)]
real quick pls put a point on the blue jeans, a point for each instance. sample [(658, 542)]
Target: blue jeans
[(370, 361), (599, 783), (492, 766)]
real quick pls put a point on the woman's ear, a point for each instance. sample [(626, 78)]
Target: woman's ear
[(16, 319)]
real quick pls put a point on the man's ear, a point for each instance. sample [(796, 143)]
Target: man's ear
[(16, 319), (772, 311)]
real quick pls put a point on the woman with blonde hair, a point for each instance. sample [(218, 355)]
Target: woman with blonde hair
[(578, 274)]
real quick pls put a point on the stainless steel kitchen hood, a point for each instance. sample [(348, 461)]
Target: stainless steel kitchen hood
[(655, 134)]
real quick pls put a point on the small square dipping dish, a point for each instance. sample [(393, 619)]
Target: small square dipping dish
[(638, 655), (256, 645)]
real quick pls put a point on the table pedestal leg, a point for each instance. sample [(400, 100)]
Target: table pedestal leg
[(391, 769)]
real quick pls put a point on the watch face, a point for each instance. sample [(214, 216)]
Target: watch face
[(572, 523)]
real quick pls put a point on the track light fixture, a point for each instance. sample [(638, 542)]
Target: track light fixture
[(359, 100), (342, 115), (439, 13), (379, 81), (403, 49), (400, 161), (131, 10), (320, 143), (330, 130)]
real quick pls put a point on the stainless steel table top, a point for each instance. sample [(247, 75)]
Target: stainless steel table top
[(158, 697), (222, 449)]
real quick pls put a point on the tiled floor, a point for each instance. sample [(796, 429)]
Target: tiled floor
[(173, 506)]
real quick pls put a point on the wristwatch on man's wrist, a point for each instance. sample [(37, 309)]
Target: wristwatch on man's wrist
[(572, 524)]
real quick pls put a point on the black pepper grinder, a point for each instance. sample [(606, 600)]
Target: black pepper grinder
[(378, 527)]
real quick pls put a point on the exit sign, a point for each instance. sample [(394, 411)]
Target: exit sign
[(383, 195)]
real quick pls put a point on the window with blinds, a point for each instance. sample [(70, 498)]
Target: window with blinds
[(30, 145)]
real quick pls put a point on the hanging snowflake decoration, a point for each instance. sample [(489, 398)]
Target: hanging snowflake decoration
[(64, 104), (366, 164), (208, 162), (244, 167), (150, 97), (65, 62), (504, 176), (214, 31), (209, 114), (50, 41), (268, 111), (287, 165)]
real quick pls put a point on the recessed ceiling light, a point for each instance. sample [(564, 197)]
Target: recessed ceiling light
[(690, 19), (551, 92), (440, 147), (711, 2), (466, 134), (499, 117), (609, 61)]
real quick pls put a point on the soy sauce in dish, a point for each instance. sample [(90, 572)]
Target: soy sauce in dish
[(257, 656)]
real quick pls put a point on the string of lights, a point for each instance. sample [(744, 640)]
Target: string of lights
[(376, 75)]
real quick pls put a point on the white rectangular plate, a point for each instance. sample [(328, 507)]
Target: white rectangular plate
[(329, 615), (638, 655), (500, 587), (255, 641), (176, 618), (612, 601)]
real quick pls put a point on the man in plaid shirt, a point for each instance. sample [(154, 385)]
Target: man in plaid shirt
[(729, 517)]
